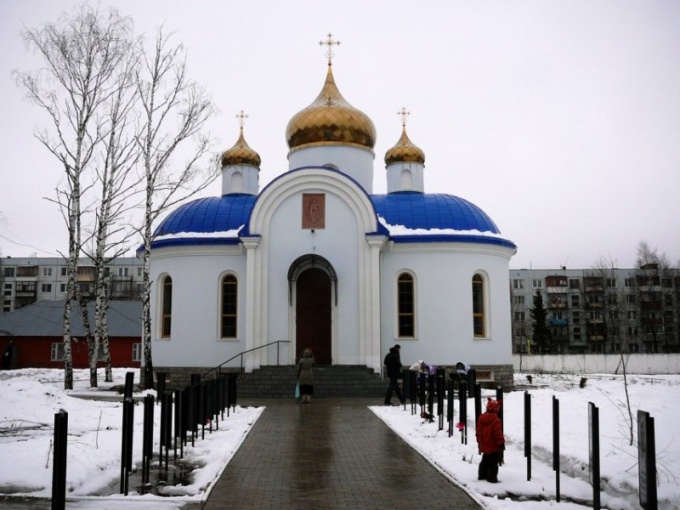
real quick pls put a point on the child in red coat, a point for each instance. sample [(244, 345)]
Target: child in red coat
[(491, 442)]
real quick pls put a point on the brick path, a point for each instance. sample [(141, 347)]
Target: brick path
[(331, 454)]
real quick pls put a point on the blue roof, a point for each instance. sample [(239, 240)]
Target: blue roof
[(412, 210), (427, 211), (206, 215)]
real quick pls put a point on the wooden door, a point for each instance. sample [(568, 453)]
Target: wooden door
[(313, 314)]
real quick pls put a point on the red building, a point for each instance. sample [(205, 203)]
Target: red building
[(34, 334)]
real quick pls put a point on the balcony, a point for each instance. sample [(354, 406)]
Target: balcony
[(596, 338)]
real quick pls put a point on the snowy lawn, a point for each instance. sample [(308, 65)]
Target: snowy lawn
[(30, 398), (658, 395)]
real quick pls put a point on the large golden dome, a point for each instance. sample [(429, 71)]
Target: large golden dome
[(241, 154), (330, 120), (404, 151)]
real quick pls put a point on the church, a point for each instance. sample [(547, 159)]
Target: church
[(317, 260)]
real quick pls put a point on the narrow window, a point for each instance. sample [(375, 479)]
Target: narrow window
[(166, 320), (406, 305), (229, 306), (478, 318)]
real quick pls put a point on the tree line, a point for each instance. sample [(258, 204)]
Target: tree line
[(124, 123)]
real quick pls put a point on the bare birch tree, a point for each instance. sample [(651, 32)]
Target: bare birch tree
[(118, 184), (174, 111), (81, 55), (615, 320)]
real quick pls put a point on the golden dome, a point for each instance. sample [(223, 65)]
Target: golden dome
[(404, 151), (330, 120), (241, 154)]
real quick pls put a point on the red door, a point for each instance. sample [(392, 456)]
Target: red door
[(313, 314)]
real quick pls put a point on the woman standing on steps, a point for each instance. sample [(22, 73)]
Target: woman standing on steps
[(305, 377)]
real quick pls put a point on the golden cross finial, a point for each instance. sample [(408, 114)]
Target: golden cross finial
[(330, 43), (241, 116), (403, 113)]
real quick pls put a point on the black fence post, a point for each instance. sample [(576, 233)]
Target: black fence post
[(449, 404), (499, 398), (179, 405), (126, 443), (556, 445), (647, 461), (462, 398), (129, 385), (478, 402), (594, 452), (166, 435), (430, 396), (59, 460), (147, 440), (527, 432), (160, 384), (440, 396)]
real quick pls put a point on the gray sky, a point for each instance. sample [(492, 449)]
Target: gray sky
[(560, 119)]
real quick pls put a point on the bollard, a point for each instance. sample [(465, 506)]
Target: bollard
[(129, 384), (449, 404), (462, 398), (527, 432), (647, 461), (594, 452), (126, 445), (59, 460), (147, 440), (556, 445)]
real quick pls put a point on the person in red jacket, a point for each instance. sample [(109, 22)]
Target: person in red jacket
[(491, 442)]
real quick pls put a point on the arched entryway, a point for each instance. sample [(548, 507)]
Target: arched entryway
[(312, 283)]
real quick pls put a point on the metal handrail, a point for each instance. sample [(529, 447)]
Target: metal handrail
[(218, 368)]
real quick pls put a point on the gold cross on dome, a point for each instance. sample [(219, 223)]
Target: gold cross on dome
[(330, 43), (403, 113), (241, 116)]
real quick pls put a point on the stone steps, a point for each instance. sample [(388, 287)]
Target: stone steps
[(338, 381)]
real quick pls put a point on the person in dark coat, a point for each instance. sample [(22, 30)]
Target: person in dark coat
[(491, 442), (8, 356), (393, 363), (305, 376)]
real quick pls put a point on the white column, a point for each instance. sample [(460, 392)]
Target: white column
[(253, 298), (372, 347)]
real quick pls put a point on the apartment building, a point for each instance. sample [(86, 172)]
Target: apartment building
[(24, 281), (598, 310)]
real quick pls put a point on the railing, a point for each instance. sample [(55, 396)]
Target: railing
[(218, 368)]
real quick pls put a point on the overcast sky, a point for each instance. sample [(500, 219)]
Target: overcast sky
[(560, 119)]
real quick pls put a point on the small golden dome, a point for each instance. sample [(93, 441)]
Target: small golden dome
[(241, 154), (404, 151), (330, 120)]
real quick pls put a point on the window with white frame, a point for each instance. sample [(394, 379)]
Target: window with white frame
[(137, 352), (517, 284), (537, 284), (57, 351), (406, 311), (229, 316), (47, 271), (478, 307), (166, 307)]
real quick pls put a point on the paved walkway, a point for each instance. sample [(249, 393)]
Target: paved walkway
[(331, 454)]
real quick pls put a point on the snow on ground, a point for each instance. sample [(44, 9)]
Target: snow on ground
[(29, 399), (658, 395)]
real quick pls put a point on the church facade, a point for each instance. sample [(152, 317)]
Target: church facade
[(318, 260)]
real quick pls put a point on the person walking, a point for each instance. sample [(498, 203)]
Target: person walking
[(491, 442), (393, 363), (305, 376)]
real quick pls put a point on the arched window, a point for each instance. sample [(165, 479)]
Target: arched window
[(229, 307), (406, 306), (237, 182), (166, 299), (406, 179), (478, 312)]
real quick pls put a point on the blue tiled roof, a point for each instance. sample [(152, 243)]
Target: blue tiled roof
[(206, 215), (410, 209), (427, 211)]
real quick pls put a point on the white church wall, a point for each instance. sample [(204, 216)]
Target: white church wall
[(353, 161), (338, 243), (443, 279), (196, 275)]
